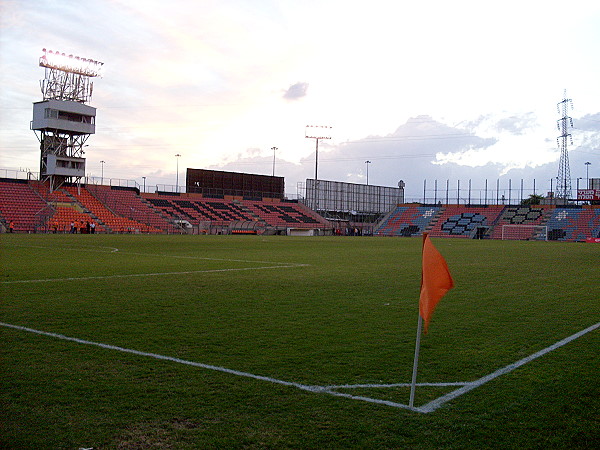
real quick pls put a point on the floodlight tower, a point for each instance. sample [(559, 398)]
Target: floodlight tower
[(62, 121), (563, 188), (317, 132)]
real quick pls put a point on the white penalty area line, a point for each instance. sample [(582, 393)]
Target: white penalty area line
[(271, 265), (152, 274), (331, 390), (99, 249)]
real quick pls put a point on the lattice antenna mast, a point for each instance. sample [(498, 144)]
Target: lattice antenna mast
[(563, 187)]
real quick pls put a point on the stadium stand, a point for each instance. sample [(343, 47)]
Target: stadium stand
[(108, 219), (22, 206), (64, 216), (195, 210), (466, 221), (127, 202), (65, 211), (224, 211), (574, 224), (285, 214), (217, 211), (43, 191), (591, 221), (522, 215), (407, 220), (31, 207)]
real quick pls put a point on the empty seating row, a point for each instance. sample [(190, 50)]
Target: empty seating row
[(407, 220), (119, 210), (574, 224), (126, 202), (200, 210), (31, 207), (21, 206), (222, 212), (562, 223), (522, 215), (66, 218), (110, 220), (466, 221), (285, 215)]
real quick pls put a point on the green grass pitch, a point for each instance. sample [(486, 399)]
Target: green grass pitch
[(316, 311)]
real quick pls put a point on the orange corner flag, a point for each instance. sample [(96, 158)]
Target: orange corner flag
[(435, 280)]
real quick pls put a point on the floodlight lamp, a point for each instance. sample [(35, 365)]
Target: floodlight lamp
[(70, 63), (317, 132)]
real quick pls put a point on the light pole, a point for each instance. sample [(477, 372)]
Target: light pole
[(587, 173), (317, 132), (367, 164), (177, 174), (274, 150), (144, 178), (102, 172)]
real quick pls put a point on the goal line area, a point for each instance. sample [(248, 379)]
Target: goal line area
[(525, 232)]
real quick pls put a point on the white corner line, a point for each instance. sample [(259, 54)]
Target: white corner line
[(435, 404), (427, 408), (395, 385), (304, 387), (163, 357)]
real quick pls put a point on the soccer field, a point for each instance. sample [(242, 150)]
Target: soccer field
[(135, 341)]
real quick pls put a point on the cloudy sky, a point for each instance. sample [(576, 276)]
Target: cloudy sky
[(429, 90)]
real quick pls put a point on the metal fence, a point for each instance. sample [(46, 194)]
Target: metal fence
[(496, 192)]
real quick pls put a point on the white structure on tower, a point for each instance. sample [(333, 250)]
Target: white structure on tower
[(62, 121)]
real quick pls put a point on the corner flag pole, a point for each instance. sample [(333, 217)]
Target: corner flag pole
[(415, 363), (435, 282)]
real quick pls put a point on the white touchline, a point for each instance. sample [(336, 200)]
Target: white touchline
[(304, 387), (162, 357), (427, 408)]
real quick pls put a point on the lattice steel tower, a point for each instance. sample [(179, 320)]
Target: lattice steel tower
[(62, 121), (563, 185)]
